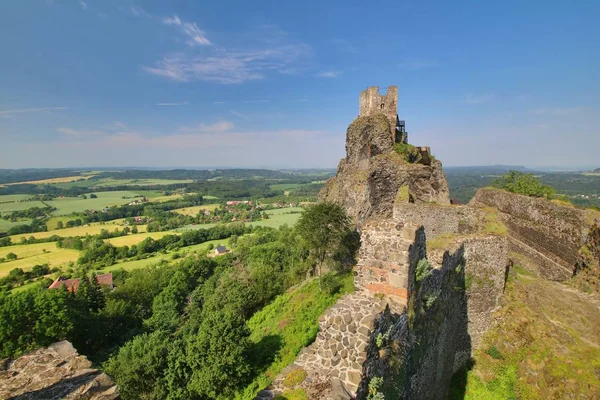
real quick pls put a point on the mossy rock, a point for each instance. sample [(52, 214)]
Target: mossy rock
[(294, 378)]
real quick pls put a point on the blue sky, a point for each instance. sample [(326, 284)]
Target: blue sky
[(276, 83)]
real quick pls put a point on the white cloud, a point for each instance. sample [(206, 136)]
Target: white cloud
[(30, 110), (139, 12), (83, 5), (185, 103), (471, 98), (228, 66), (196, 36), (217, 127), (328, 74), (239, 115)]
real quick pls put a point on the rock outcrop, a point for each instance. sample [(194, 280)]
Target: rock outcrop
[(56, 372), (548, 233), (370, 178)]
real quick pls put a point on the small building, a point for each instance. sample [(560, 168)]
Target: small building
[(220, 250), (73, 284)]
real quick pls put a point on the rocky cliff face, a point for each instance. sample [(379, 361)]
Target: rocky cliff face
[(55, 372), (550, 234), (369, 179)]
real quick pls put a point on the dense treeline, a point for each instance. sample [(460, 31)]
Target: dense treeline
[(241, 189), (196, 174), (30, 213), (34, 174)]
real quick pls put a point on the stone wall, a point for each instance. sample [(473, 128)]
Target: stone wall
[(56, 372), (548, 233), (372, 103), (439, 220)]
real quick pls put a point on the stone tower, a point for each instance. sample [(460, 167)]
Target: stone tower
[(372, 103)]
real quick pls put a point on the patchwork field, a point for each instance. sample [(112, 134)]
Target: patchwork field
[(64, 179), (6, 225), (135, 239), (129, 265), (107, 182), (34, 254), (19, 205), (92, 229), (70, 205), (276, 219), (9, 198), (195, 210)]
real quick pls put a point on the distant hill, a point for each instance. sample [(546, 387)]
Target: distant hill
[(596, 170), (488, 169)]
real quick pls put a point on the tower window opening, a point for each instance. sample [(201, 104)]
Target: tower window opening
[(382, 106)]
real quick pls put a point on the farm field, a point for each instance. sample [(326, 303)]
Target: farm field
[(196, 209), (70, 205), (19, 205), (6, 225), (276, 219), (286, 186), (92, 229), (64, 179), (9, 198), (130, 265), (33, 254), (135, 239), (106, 182)]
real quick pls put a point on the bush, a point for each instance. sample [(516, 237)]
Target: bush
[(410, 153), (494, 353), (423, 269), (11, 257), (525, 184), (330, 284)]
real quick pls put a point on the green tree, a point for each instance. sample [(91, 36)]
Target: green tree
[(322, 228), (11, 257), (60, 225), (525, 184), (93, 196)]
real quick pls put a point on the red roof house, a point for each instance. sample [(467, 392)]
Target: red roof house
[(73, 284)]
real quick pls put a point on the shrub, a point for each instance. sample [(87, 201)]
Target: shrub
[(423, 269), (296, 394), (495, 353), (410, 153), (525, 184), (11, 257), (330, 284)]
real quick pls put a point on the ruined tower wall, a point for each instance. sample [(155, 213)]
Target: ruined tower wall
[(372, 103)]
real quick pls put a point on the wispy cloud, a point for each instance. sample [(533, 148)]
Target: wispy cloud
[(239, 115), (471, 98), (139, 11), (417, 63), (217, 127), (228, 66), (81, 133), (328, 74), (83, 4), (30, 110), (185, 103), (196, 36)]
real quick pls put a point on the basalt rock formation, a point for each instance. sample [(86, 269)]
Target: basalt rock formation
[(56, 372), (368, 180)]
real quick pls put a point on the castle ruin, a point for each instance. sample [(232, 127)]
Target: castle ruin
[(373, 103)]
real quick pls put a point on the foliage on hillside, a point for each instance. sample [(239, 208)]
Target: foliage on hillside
[(284, 327), (540, 349), (525, 184), (409, 153)]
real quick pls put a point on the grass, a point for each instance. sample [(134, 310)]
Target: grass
[(6, 225), (196, 209), (19, 205), (69, 205), (546, 345), (136, 264), (9, 198), (286, 186), (136, 238), (64, 179), (90, 229), (277, 218), (33, 254), (280, 330), (294, 378), (296, 394)]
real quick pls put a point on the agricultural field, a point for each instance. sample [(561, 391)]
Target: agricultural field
[(64, 179), (196, 209), (6, 225), (34, 254), (108, 182), (19, 205), (136, 238), (69, 205), (10, 198), (135, 264), (90, 229), (276, 219), (286, 186)]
